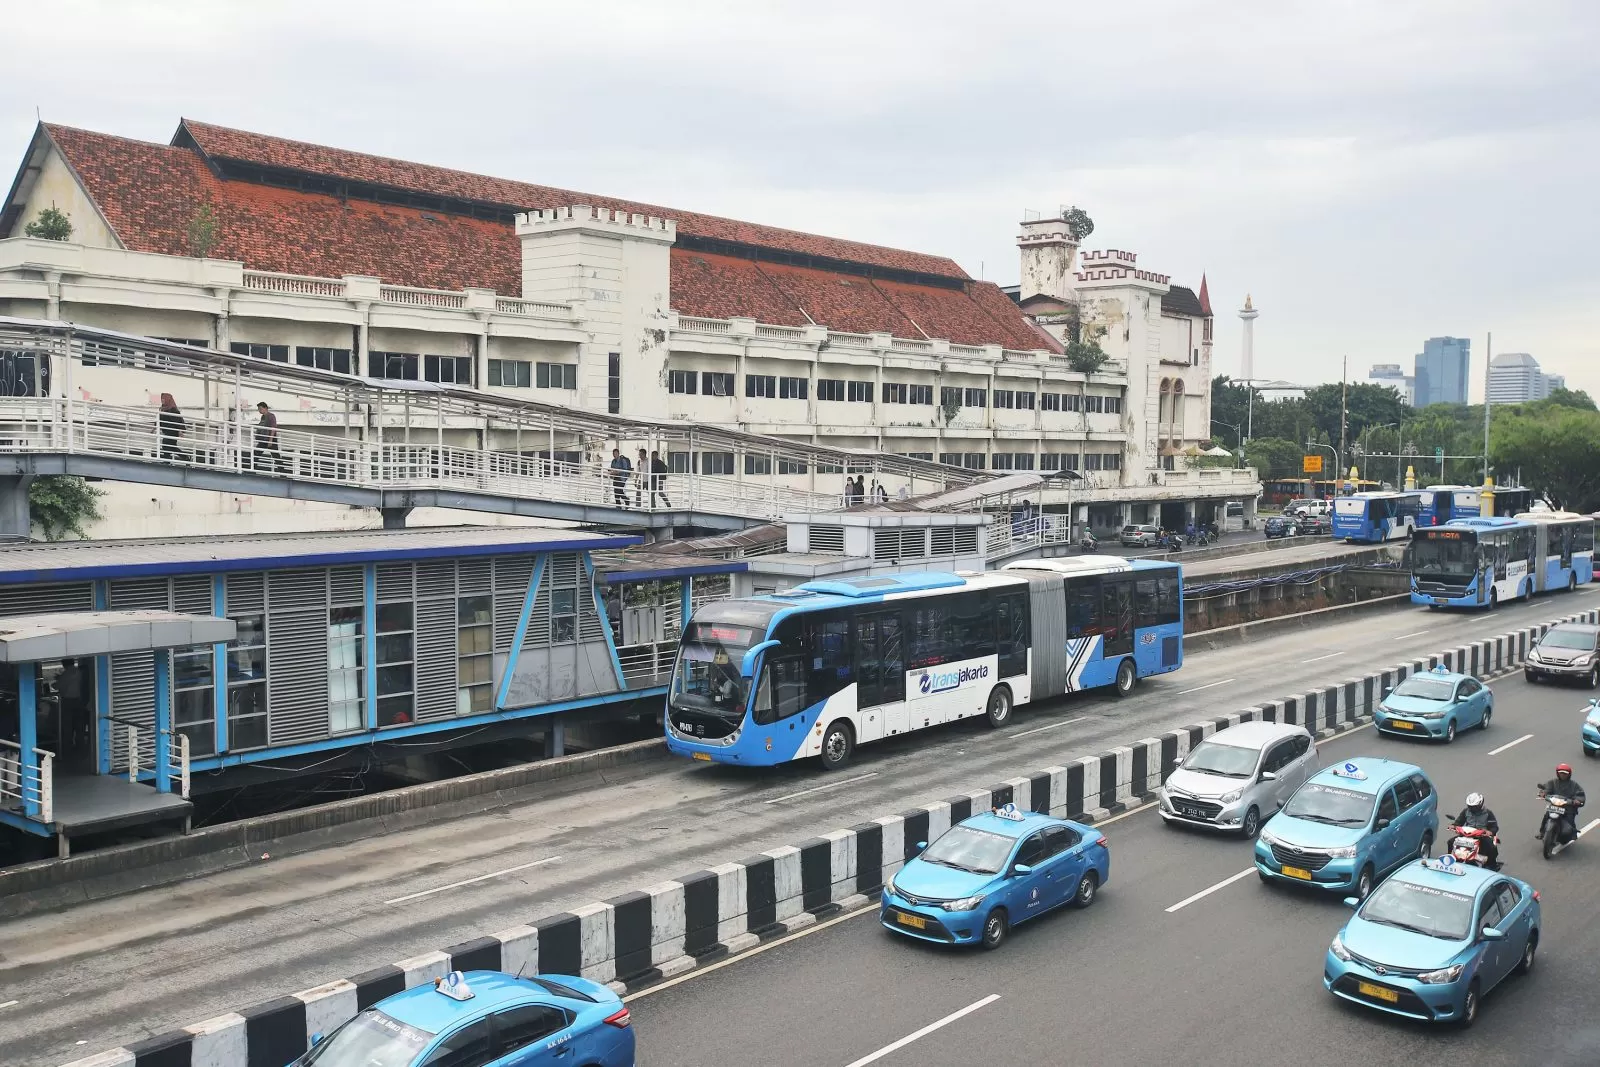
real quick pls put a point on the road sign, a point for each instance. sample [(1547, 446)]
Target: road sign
[(1312, 465)]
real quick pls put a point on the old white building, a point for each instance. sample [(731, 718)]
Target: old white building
[(301, 254)]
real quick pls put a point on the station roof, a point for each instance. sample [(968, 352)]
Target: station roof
[(35, 638), (80, 560)]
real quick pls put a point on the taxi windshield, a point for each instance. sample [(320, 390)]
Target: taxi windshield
[(1419, 688), (974, 851), (1229, 761), (1330, 804), (371, 1039), (707, 676), (1422, 909)]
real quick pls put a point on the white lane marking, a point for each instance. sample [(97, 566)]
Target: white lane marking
[(1052, 726), (14, 1003), (1592, 824), (1509, 744), (1225, 883), (926, 1030), (1208, 685), (1314, 659), (470, 881), (1419, 633), (820, 788)]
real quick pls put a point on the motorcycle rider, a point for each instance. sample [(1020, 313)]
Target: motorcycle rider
[(1479, 816), (1563, 785)]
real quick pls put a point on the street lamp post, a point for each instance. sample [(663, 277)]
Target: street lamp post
[(1337, 469)]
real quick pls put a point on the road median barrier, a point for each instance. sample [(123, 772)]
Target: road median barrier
[(673, 927)]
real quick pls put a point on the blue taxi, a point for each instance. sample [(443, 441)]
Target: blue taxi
[(991, 872), (1349, 825), (1591, 729), (1433, 940), (484, 1018), (1435, 704)]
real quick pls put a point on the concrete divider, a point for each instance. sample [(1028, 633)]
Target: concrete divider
[(638, 938)]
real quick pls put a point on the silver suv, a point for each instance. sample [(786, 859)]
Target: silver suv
[(1142, 535), (1238, 778)]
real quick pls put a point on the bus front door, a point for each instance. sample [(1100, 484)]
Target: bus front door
[(880, 675)]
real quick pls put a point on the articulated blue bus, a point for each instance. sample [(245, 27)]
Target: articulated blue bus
[(1478, 563), (820, 669), (1443, 503), (1372, 518)]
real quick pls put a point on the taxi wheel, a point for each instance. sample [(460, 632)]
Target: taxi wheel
[(998, 711), (1426, 848), (1088, 890), (1364, 883), (1469, 1007), (1252, 823), (1488, 713), (1525, 964), (995, 929), (837, 745), (1126, 678), (1450, 732)]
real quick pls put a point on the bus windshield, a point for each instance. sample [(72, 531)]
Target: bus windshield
[(1349, 505), (707, 677), (1438, 555)]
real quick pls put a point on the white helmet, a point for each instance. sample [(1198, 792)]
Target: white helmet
[(1474, 800)]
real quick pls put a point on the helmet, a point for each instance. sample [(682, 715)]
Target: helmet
[(1563, 769), (1475, 801)]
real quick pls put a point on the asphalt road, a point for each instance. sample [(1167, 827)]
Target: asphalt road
[(104, 973), (1234, 977)]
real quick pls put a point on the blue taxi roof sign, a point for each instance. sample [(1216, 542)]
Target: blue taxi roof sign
[(1350, 770), (1441, 669), (1446, 865), (454, 985), (1009, 812)]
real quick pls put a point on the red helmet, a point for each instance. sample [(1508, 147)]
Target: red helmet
[(1564, 768)]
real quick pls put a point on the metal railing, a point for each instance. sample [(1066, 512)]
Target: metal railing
[(144, 754), (27, 785), (1017, 535)]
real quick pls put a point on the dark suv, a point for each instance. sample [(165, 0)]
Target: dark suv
[(1570, 651)]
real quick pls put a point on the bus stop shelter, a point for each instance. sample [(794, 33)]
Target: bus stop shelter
[(33, 798)]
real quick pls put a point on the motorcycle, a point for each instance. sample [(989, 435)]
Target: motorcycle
[(1172, 543), (1087, 544), (1557, 825), (1465, 846)]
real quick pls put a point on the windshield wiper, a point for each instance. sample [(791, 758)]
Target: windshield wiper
[(1406, 926), (1316, 818), (956, 866)]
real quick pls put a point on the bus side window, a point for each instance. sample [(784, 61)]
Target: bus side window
[(1083, 606), (1010, 633), (1169, 597), (782, 691), (928, 639), (1146, 603), (1116, 614), (972, 625), (831, 655), (765, 711)]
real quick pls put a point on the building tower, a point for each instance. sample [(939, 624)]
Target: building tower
[(1247, 346), (1049, 259)]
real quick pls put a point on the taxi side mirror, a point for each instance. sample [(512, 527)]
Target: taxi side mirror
[(921, 845), (316, 1039), (1178, 762), (1353, 902), (1491, 933), (1022, 868), (1388, 690), (1383, 823)]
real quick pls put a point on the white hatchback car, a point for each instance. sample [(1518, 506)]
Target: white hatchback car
[(1238, 778)]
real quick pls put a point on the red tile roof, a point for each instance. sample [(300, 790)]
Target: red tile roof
[(722, 287), (223, 143), (840, 301)]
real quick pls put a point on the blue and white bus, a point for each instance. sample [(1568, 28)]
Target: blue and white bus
[(1565, 542), (1371, 518), (1477, 563), (820, 669), (1444, 503)]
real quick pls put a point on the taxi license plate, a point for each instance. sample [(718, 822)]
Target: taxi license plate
[(916, 922), (1399, 724), (702, 755), (1296, 872), (1367, 989)]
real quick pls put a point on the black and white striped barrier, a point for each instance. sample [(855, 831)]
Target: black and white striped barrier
[(633, 940)]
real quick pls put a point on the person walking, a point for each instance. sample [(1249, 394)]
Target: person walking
[(172, 425), (641, 477), (620, 470), (880, 495), (658, 479), (267, 454)]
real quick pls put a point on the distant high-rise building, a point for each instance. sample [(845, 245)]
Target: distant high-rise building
[(1515, 377), (1442, 371), (1390, 374)]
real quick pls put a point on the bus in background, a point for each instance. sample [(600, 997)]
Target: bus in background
[(1372, 518), (1565, 542), (832, 664), (1444, 503), (1473, 563)]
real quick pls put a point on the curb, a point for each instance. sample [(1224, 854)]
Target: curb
[(642, 937)]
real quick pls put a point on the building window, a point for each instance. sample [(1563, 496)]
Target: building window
[(1113, 461), (395, 366), (1071, 402), (683, 381), (1113, 405), (830, 389), (1022, 461), (614, 383), (247, 684), (1091, 462), (555, 375), (1102, 461), (1024, 400), (828, 467), (334, 359), (950, 396), (1094, 403), (761, 385), (1001, 461), (921, 394), (918, 455), (511, 373), (894, 393), (274, 353), (716, 463), (754, 464), (1004, 398), (973, 460), (975, 398), (345, 688), (447, 370), (716, 383), (859, 392), (950, 459), (792, 388), (680, 462), (194, 707), (1058, 461), (1049, 401), (563, 616), (791, 466), (395, 657), (474, 654)]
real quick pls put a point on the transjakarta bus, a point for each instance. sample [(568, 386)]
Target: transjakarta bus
[(1443, 503), (820, 669), (1479, 562), (1374, 517)]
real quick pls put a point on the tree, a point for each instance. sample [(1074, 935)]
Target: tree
[(1367, 404), (63, 504), (1557, 451), (51, 225), (203, 232), (1570, 398), (1086, 356), (1079, 222), (1274, 458)]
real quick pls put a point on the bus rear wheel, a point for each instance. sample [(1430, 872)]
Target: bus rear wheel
[(1127, 678), (998, 711), (838, 743)]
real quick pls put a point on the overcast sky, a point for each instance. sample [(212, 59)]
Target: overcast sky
[(1375, 172)]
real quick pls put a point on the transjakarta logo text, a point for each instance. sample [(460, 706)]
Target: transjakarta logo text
[(940, 681)]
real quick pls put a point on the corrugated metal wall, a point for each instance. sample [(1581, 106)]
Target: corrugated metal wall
[(297, 656)]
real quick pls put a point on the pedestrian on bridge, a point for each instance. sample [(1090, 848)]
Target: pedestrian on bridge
[(621, 468), (267, 454), (641, 478), (172, 426), (658, 479)]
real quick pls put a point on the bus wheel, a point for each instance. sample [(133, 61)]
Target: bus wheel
[(998, 713), (1494, 598), (1126, 677), (1572, 583), (838, 742)]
